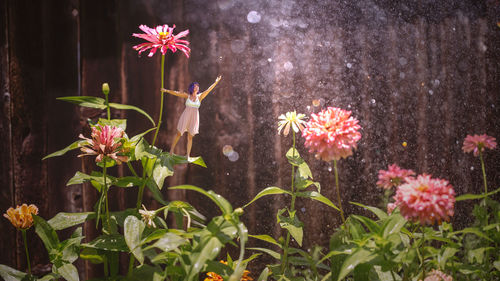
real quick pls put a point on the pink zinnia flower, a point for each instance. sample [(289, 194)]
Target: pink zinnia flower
[(332, 134), (394, 176), (425, 199), (105, 142), (162, 37), (436, 275), (477, 143)]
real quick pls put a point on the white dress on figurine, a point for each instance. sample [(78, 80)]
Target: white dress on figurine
[(190, 118)]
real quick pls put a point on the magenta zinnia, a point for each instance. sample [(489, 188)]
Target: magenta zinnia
[(162, 37), (332, 134), (425, 199), (393, 176), (105, 142), (477, 143)]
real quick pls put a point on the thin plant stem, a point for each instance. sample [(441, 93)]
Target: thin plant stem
[(484, 172), (105, 190), (23, 231), (284, 265), (107, 106), (141, 191), (131, 265), (338, 192), (161, 100), (132, 169)]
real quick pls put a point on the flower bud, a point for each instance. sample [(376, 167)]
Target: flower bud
[(238, 211), (105, 88)]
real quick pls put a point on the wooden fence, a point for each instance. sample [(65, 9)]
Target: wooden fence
[(424, 74)]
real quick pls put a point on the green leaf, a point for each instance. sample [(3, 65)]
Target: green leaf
[(119, 123), (65, 220), (272, 190), (63, 151), (138, 137), (150, 183), (318, 197), (92, 255), (68, 272), (263, 275), (359, 256), (266, 238), (168, 242), (115, 243), (131, 107), (270, 252), (80, 178), (85, 101), (370, 224), (46, 233), (207, 250), (133, 228), (221, 202), (475, 196), (304, 171), (127, 181), (302, 183), (292, 224), (293, 157), (394, 224), (446, 254), (161, 171), (473, 230), (378, 212), (11, 274)]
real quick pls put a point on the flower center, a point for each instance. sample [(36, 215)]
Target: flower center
[(162, 35), (422, 188)]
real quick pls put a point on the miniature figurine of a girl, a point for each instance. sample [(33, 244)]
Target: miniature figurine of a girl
[(190, 118)]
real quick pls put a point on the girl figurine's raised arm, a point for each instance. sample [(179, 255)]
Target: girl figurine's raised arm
[(176, 93), (207, 91), (190, 118)]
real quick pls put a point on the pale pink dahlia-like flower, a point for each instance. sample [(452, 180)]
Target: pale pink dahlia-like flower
[(332, 134), (477, 143), (393, 176), (425, 199), (162, 37), (105, 142), (436, 275)]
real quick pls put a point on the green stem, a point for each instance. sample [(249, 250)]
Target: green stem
[(107, 106), (141, 189), (338, 193), (131, 265), (105, 190), (23, 231), (484, 173), (284, 265), (161, 101), (132, 169)]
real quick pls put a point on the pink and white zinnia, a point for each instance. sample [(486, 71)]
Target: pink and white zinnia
[(162, 37), (393, 176), (425, 200), (332, 134), (105, 142), (478, 143)]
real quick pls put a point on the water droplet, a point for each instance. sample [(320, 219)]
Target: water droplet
[(329, 169), (303, 209), (472, 168), (220, 58), (233, 157), (224, 4), (237, 46), (74, 12), (349, 65), (308, 108), (431, 92), (227, 149), (437, 82), (227, 174), (253, 17), (269, 59), (373, 101), (402, 75), (403, 61), (288, 66)]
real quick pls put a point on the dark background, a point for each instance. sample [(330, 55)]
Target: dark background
[(421, 72)]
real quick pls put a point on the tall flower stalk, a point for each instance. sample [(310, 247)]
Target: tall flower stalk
[(477, 144), (22, 219), (161, 37), (332, 134), (296, 122)]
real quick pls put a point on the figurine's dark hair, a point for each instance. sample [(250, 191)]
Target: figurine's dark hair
[(191, 87)]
